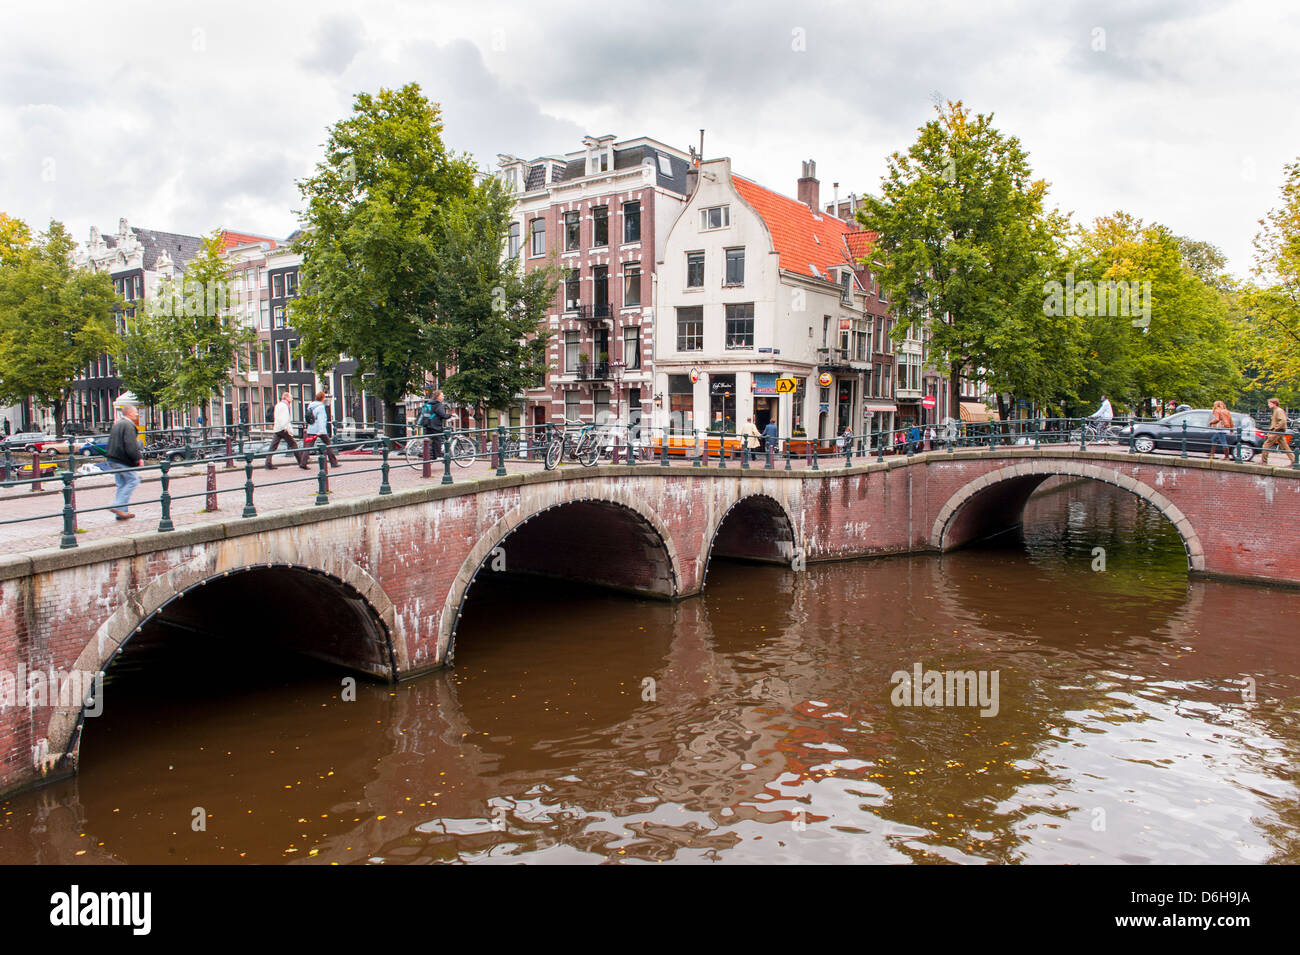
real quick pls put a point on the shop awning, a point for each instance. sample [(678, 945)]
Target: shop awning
[(975, 411), (879, 408)]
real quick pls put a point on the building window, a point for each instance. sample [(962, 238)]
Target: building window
[(512, 241), (600, 225), (537, 231), (716, 217), (571, 346), (690, 328), (632, 347), (735, 267), (572, 290), (277, 286), (632, 283), (600, 290), (694, 269), (572, 407), (290, 284), (681, 404), (266, 316), (277, 316), (572, 232), (601, 405), (281, 356), (846, 290), (740, 325), (632, 222)]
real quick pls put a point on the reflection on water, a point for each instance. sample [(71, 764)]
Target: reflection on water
[(753, 724)]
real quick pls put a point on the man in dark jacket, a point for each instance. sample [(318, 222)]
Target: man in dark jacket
[(435, 423), (124, 452)]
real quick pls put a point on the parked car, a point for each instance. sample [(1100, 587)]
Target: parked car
[(26, 441), (1168, 433)]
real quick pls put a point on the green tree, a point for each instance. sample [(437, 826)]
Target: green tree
[(490, 329), (54, 318), (1175, 338), (201, 334), (373, 209), (1272, 302), (146, 358), (966, 246)]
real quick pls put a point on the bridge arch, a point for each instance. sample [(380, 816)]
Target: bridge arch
[(640, 553), (755, 527), (348, 588), (981, 506)]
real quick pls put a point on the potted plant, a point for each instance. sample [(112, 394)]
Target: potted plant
[(604, 358), (583, 358)]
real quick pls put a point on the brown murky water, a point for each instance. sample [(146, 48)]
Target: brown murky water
[(753, 724)]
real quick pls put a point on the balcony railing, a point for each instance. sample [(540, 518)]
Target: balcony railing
[(593, 370), (589, 312)]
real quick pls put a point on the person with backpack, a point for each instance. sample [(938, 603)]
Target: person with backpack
[(318, 426), (433, 417)]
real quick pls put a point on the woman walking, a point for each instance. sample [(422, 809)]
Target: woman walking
[(1220, 425)]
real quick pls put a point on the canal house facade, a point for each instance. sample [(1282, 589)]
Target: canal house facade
[(755, 287)]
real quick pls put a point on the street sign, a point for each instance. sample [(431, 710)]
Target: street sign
[(786, 386), (928, 402), (824, 379)]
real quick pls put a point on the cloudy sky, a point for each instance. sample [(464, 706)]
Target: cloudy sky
[(191, 116)]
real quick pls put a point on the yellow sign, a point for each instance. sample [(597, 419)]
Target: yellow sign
[(786, 386)]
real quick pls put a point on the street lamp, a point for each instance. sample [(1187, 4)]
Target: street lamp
[(616, 369)]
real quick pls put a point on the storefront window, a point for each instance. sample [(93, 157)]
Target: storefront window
[(681, 404), (722, 403)]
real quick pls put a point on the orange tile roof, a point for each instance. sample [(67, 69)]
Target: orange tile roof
[(860, 244), (231, 239), (802, 238)]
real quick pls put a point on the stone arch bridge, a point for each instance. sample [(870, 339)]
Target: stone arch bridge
[(378, 584)]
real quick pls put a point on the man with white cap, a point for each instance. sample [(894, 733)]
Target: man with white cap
[(123, 453)]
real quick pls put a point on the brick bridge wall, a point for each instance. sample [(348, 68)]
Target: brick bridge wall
[(388, 575)]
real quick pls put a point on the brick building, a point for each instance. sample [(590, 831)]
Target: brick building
[(601, 215)]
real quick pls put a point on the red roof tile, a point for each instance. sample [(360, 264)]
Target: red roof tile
[(231, 239), (802, 238), (860, 244)]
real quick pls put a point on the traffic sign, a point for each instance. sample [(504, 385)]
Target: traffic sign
[(928, 402), (824, 379), (786, 386)]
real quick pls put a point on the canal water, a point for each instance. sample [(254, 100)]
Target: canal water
[(1140, 717)]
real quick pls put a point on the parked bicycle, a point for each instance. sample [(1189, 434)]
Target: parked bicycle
[(463, 450), (1095, 432), (581, 445)]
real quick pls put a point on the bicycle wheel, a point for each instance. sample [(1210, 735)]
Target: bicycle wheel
[(414, 452), (553, 452), (463, 451), (588, 451)]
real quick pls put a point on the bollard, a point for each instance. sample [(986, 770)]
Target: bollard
[(230, 450), (446, 460), (69, 538), (210, 501), (36, 469), (500, 441), (322, 477), (249, 509), (384, 486), (426, 457), (165, 498)]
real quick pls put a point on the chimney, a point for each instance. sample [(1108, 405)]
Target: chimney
[(693, 173), (836, 194), (809, 188)]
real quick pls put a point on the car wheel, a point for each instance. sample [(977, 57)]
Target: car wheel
[(176, 457), (1144, 444), (1247, 452)]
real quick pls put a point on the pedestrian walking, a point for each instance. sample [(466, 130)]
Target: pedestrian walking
[(1277, 436), (770, 435), (1220, 425), (930, 435), (436, 425), (751, 435), (122, 455), (281, 424), (845, 440), (318, 426), (914, 438)]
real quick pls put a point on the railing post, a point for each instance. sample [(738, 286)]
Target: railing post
[(384, 486), (848, 452), (6, 467), (1132, 436), (249, 509), (69, 537), (697, 462), (722, 449), (880, 446), (322, 477), (744, 453), (1037, 430), (1083, 435), (500, 439), (768, 451), (1236, 451), (426, 457), (663, 448), (210, 500), (813, 444), (36, 470), (230, 462), (165, 497), (1183, 454), (446, 460)]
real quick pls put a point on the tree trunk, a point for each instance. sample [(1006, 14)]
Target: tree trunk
[(58, 417), (954, 392), (390, 418)]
